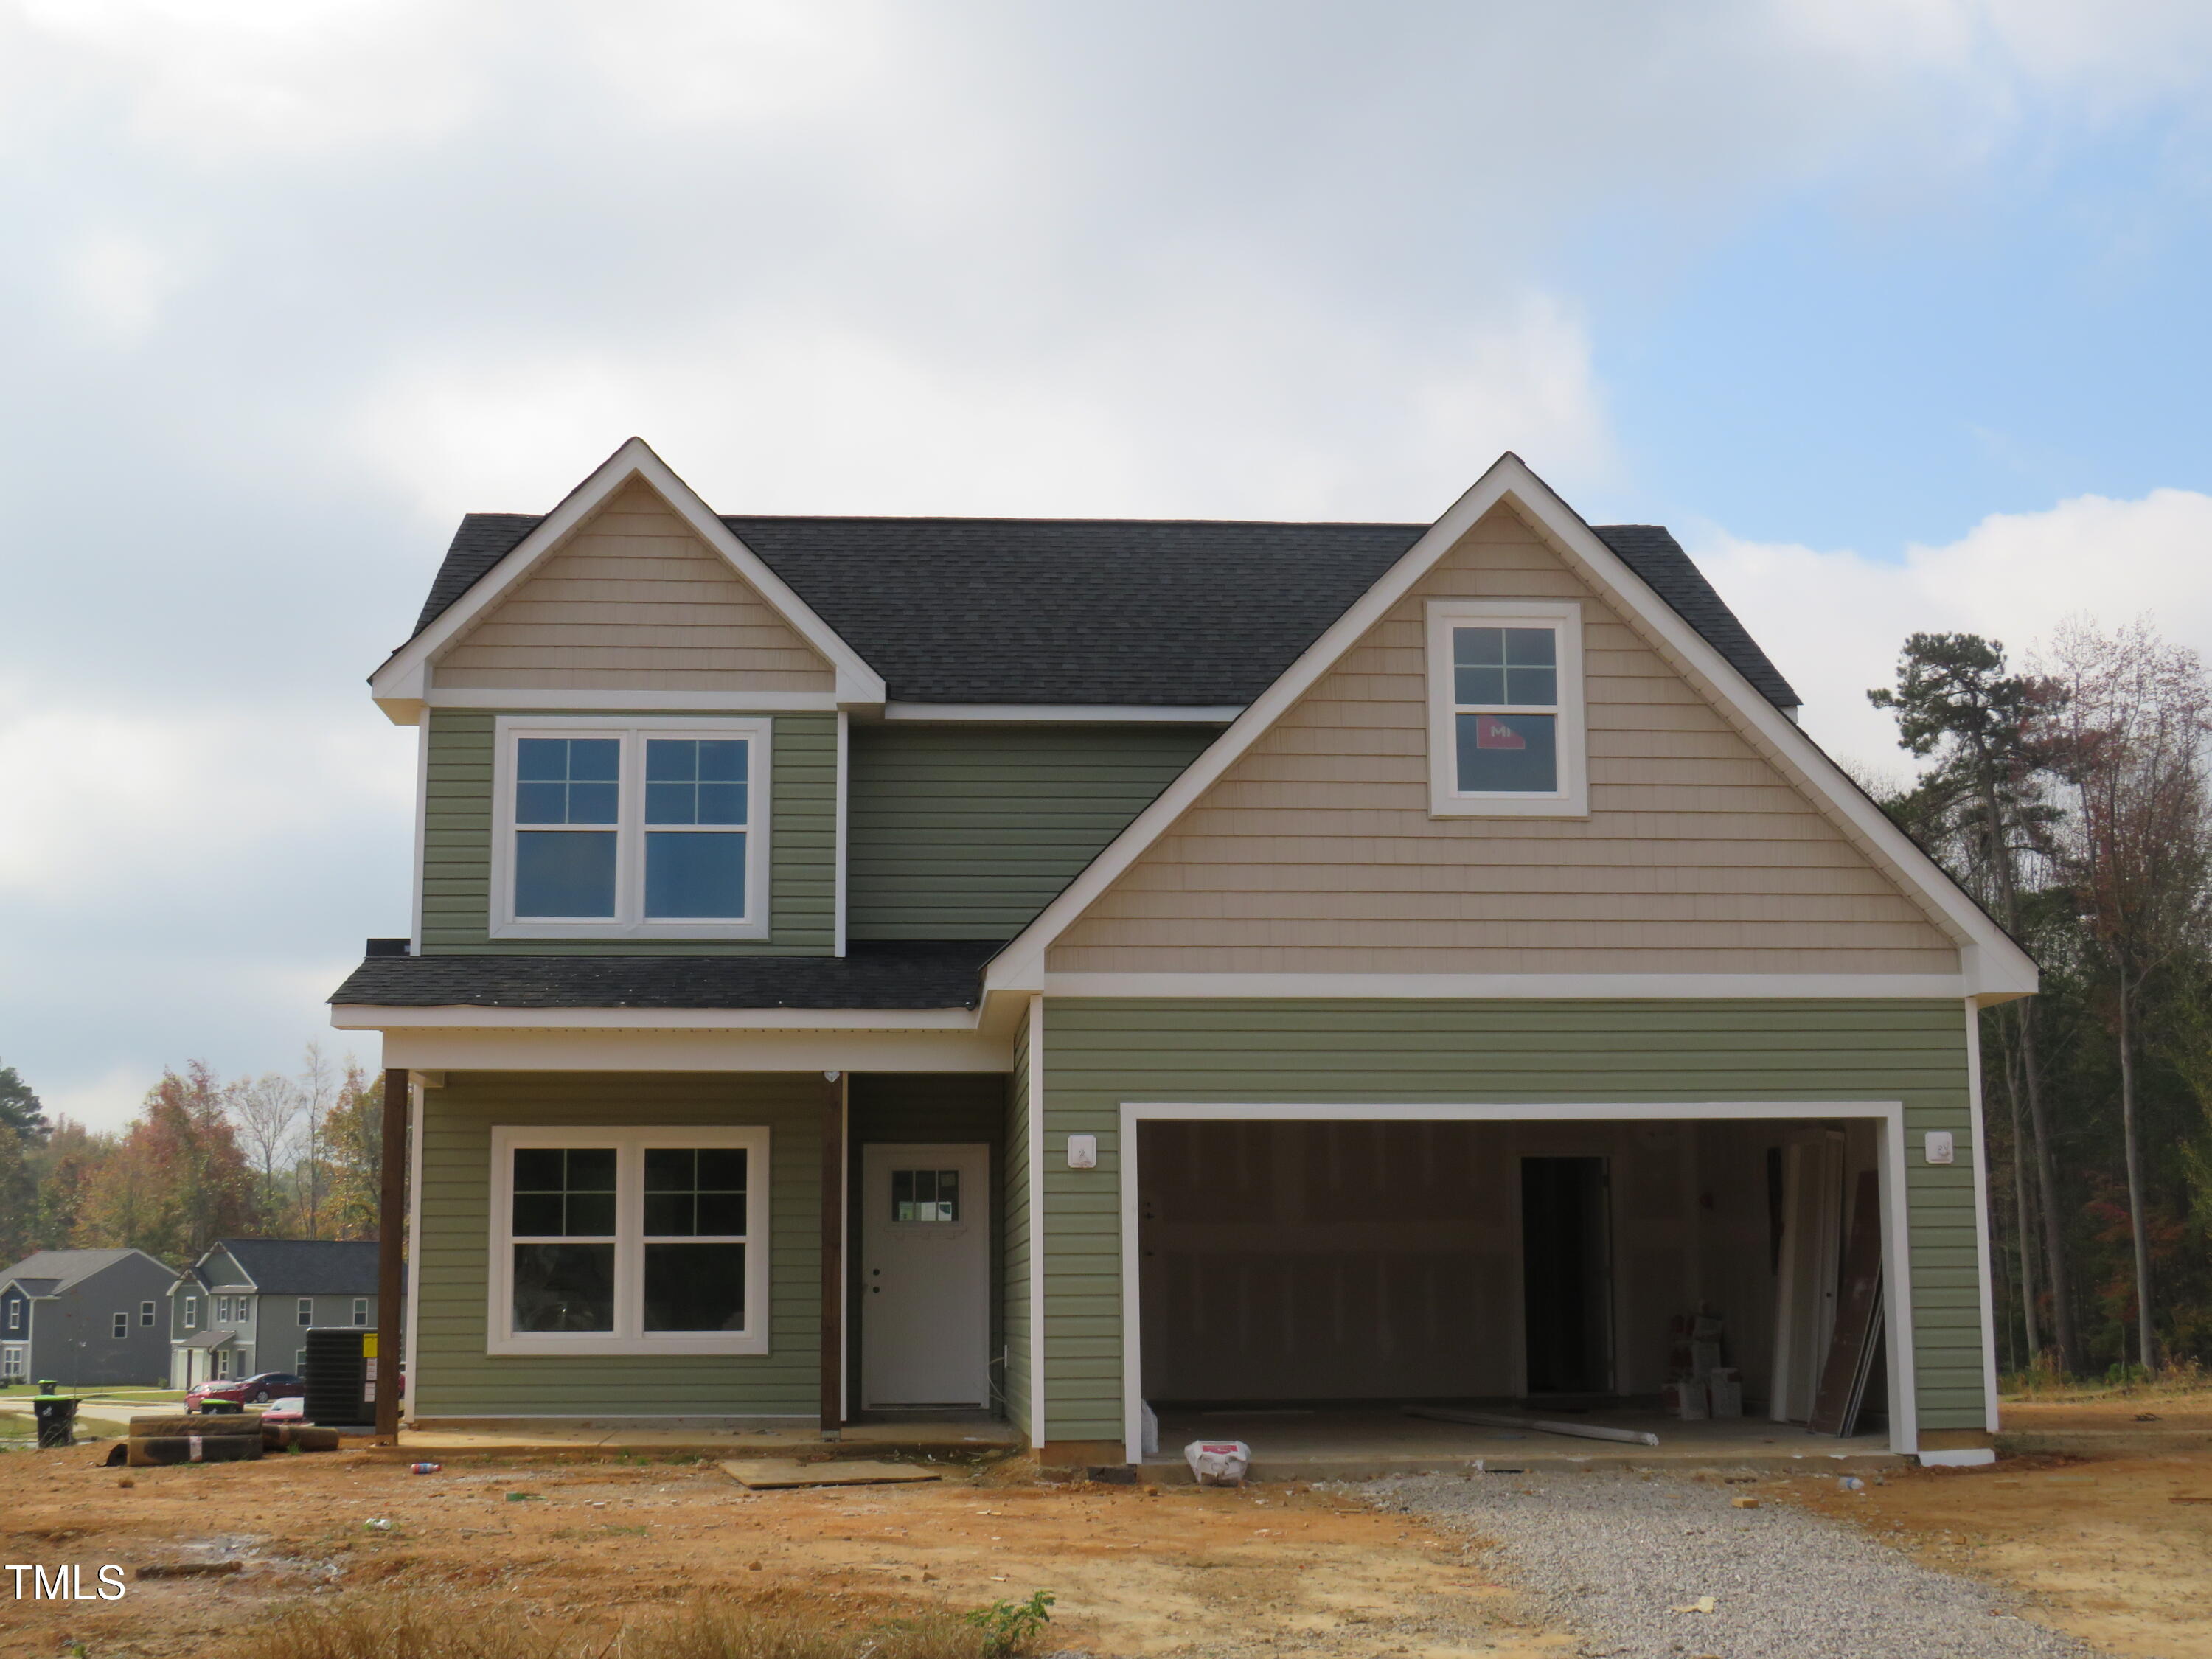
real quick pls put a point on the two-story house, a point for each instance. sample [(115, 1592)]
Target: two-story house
[(84, 1318), (1054, 966), (245, 1306)]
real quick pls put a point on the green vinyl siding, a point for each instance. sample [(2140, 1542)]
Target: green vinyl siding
[(455, 1377), (458, 829), (1016, 1273), (968, 831), (1099, 1054)]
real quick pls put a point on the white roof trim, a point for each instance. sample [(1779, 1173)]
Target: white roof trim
[(1992, 965), (373, 1017), (1069, 712), (400, 686)]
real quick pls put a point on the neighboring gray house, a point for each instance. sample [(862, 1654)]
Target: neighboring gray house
[(85, 1317), (244, 1307)]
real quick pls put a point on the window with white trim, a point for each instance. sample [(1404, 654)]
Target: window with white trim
[(307, 1310), (13, 1365), (222, 1310), (243, 1307), (145, 1313), (361, 1310), (191, 1313), (638, 1241), (121, 1327), (14, 1313), (1506, 732), (613, 826)]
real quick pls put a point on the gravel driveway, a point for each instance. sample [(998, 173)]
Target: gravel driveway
[(1611, 1556)]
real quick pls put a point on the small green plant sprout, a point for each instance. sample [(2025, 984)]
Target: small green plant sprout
[(1008, 1627)]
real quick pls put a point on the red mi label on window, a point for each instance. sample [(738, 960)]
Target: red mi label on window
[(1491, 732)]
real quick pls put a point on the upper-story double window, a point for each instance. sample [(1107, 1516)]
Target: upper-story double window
[(636, 828), (1506, 733)]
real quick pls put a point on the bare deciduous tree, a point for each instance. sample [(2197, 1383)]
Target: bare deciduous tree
[(266, 1108), (2139, 847)]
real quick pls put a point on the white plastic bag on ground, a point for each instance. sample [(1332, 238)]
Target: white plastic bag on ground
[(1219, 1462)]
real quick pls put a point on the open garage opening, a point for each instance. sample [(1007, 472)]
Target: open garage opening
[(1709, 1279)]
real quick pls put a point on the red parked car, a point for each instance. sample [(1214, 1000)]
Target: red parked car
[(249, 1391)]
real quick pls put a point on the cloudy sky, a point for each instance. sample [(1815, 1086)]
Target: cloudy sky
[(1895, 309)]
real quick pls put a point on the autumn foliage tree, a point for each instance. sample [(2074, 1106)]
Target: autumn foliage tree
[(177, 1180)]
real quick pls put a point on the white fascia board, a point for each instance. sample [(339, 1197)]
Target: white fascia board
[(740, 702), (1515, 987), (1989, 961), (452, 1050), (1073, 714), (370, 1017), (402, 685)]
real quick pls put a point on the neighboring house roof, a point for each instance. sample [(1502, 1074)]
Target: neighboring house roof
[(205, 1339), (901, 975), (305, 1266), (35, 1287), (1135, 612), (62, 1269)]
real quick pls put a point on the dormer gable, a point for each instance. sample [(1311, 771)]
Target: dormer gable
[(630, 592)]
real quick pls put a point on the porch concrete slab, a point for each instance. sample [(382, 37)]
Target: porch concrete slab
[(778, 1474), (1367, 1444), (583, 1438)]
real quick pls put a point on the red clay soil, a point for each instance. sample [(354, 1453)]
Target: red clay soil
[(1135, 1571)]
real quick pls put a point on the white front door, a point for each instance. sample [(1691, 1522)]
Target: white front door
[(924, 1276)]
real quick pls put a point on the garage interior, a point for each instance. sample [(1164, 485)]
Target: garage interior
[(1305, 1281)]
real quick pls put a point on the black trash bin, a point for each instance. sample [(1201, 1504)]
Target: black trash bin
[(57, 1418)]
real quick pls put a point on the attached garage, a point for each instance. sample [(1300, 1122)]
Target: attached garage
[(1356, 1260)]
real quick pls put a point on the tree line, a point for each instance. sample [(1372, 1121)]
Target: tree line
[(2070, 795), (288, 1156)]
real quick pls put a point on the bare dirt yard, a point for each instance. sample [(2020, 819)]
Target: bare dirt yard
[(2114, 1547), (1135, 1571)]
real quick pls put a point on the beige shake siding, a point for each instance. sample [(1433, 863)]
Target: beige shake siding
[(1316, 852), (633, 601)]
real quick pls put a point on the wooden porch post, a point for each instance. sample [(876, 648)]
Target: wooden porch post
[(390, 1276), (833, 1255)]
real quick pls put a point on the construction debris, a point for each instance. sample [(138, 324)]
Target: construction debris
[(1506, 1420), (779, 1474)]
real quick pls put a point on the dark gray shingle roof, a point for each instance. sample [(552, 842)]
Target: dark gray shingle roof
[(903, 975), (1159, 612), (306, 1267), (62, 1268)]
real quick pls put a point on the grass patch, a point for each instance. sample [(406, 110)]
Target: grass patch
[(2183, 1378), (423, 1628)]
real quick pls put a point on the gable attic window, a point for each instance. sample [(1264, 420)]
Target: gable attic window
[(1506, 731), (617, 827)]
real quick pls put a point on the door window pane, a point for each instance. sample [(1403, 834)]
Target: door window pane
[(566, 779), (1511, 753), (564, 1192), (694, 875), (564, 1288), (695, 1287), (690, 1193), (925, 1195)]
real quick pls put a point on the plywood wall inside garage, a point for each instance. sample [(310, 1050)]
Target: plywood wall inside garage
[(1318, 1260)]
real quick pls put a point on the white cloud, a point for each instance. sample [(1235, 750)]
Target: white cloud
[(118, 282), (1833, 621), (216, 80), (1275, 410)]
